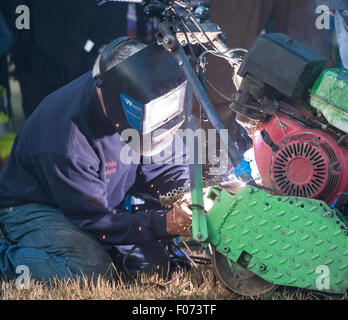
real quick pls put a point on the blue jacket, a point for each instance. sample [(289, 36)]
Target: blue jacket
[(67, 154)]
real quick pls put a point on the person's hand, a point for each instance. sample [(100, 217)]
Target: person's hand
[(178, 222)]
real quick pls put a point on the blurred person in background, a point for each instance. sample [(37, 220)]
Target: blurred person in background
[(339, 9), (6, 41), (5, 108), (341, 24), (62, 42)]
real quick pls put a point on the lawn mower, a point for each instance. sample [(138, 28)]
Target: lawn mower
[(289, 228)]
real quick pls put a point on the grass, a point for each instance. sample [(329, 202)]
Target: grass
[(186, 287), (6, 143)]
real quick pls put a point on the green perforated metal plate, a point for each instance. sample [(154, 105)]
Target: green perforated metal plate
[(291, 241)]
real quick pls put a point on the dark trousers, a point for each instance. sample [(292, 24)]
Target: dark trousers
[(41, 238)]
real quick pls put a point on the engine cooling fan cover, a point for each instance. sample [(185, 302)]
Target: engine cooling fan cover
[(307, 162), (304, 166)]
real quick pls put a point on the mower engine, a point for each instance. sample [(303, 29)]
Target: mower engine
[(297, 116), (302, 162)]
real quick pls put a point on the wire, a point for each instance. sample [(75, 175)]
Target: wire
[(193, 260), (236, 60), (281, 125), (189, 43), (172, 280), (229, 98), (193, 263), (215, 52), (189, 30), (236, 63), (202, 31), (183, 4), (124, 260), (192, 18), (258, 186), (218, 91)]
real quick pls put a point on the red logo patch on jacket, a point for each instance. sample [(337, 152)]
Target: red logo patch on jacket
[(110, 168)]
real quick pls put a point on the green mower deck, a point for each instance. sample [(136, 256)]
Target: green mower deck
[(286, 241)]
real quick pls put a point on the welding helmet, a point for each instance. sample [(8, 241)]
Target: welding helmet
[(146, 92)]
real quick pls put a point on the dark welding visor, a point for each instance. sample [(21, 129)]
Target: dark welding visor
[(146, 91)]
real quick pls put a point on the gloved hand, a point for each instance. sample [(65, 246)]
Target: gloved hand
[(178, 222)]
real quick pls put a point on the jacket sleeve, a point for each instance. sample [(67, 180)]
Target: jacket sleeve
[(75, 186), (171, 172)]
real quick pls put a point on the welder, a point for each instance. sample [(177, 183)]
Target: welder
[(63, 188)]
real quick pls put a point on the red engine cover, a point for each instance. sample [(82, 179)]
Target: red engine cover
[(309, 163)]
